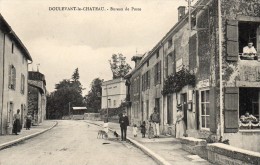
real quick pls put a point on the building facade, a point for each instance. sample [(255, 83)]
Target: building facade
[(113, 93), (14, 59), (199, 64), (37, 97)]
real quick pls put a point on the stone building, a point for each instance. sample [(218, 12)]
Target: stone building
[(14, 59), (201, 66), (113, 93), (37, 97)]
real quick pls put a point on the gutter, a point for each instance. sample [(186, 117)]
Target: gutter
[(220, 68)]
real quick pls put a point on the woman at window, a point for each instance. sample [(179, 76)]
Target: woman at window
[(247, 117), (249, 51)]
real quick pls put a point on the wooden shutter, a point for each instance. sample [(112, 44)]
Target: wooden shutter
[(231, 109), (212, 110), (159, 72), (14, 77), (232, 40), (148, 75), (155, 74), (10, 76), (197, 110)]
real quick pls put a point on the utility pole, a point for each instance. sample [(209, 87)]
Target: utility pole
[(107, 102)]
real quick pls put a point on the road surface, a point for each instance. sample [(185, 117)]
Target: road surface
[(73, 143)]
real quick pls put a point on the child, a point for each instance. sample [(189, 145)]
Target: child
[(135, 130), (143, 129), (105, 126)]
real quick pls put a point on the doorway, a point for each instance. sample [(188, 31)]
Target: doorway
[(184, 106)]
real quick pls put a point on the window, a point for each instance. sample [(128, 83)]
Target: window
[(147, 109), (22, 83), (193, 21), (204, 109), (157, 73), (109, 103), (238, 34), (12, 47), (157, 54), (146, 81), (10, 112), (12, 77), (114, 103), (147, 63), (169, 43), (136, 85)]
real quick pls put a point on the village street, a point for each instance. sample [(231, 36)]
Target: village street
[(73, 142)]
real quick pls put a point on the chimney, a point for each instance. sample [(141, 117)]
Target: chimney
[(136, 59), (181, 12)]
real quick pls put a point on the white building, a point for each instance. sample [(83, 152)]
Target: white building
[(113, 93)]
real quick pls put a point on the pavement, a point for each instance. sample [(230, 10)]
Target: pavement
[(9, 140), (165, 150)]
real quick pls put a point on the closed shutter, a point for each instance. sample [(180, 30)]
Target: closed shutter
[(212, 110), (148, 75), (197, 110), (231, 109), (232, 40)]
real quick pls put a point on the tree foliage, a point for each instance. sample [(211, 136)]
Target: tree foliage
[(93, 98), (66, 91), (118, 66)]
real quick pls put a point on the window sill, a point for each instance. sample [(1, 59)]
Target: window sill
[(249, 130)]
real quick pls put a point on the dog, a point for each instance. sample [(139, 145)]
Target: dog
[(102, 134), (116, 135)]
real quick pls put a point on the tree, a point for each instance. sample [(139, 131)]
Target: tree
[(66, 92), (75, 75), (93, 98), (118, 66)]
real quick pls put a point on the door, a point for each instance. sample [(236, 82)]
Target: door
[(157, 105), (169, 109)]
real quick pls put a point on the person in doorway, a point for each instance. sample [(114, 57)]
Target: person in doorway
[(180, 125), (124, 122), (17, 122), (249, 51), (155, 119)]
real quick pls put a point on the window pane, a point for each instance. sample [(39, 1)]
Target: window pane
[(207, 121), (202, 96), (207, 96), (202, 109), (203, 121), (207, 108)]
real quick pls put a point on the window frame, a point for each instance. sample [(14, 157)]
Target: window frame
[(200, 109)]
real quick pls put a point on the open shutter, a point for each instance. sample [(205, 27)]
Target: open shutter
[(231, 109), (159, 73), (197, 110), (212, 109), (232, 40), (9, 76), (14, 77)]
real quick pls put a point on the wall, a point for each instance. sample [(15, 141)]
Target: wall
[(18, 60)]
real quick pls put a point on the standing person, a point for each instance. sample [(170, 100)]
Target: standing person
[(143, 129), (17, 122), (155, 119), (180, 125), (124, 122), (28, 122), (105, 126), (135, 130)]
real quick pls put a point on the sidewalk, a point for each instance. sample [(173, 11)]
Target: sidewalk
[(8, 140), (165, 150)]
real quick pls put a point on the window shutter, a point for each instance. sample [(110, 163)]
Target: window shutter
[(174, 62), (155, 74), (148, 74), (159, 73), (14, 78), (9, 76), (231, 109), (197, 110), (212, 110), (232, 40)]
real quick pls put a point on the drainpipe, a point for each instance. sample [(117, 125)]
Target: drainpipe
[(3, 85), (220, 68)]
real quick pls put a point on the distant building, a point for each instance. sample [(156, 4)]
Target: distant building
[(14, 59), (113, 93), (37, 97), (79, 110)]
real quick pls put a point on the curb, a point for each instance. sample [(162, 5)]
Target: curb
[(157, 158), (7, 144)]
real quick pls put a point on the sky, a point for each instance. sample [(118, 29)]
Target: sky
[(61, 41)]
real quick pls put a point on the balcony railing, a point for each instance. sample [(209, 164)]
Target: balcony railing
[(249, 125)]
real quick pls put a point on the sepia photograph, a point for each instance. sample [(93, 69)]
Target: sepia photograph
[(129, 82)]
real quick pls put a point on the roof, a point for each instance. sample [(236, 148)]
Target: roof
[(7, 29), (79, 108)]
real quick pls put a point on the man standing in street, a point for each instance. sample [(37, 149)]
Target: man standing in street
[(124, 122), (155, 119)]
